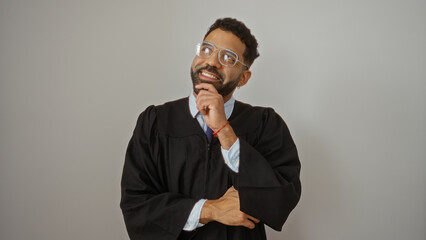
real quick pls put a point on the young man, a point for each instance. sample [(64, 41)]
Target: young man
[(207, 166)]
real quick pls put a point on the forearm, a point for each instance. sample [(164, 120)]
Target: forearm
[(193, 221), (269, 188), (227, 137), (226, 210), (155, 215), (207, 212)]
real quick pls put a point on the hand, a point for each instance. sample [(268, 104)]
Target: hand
[(210, 104), (226, 210)]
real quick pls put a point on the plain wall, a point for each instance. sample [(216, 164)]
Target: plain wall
[(348, 77)]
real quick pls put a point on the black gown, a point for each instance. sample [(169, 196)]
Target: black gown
[(169, 166)]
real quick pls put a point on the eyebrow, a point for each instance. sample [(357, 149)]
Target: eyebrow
[(222, 48)]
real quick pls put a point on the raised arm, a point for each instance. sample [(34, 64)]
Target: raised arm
[(268, 178)]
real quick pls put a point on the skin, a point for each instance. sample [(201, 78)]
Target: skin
[(210, 103)]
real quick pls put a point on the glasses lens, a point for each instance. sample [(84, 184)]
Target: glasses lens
[(227, 58), (205, 50)]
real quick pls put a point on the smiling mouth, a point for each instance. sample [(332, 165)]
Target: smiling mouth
[(209, 76)]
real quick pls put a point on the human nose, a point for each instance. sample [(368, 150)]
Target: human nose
[(213, 60)]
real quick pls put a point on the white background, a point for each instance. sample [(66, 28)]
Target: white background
[(348, 77)]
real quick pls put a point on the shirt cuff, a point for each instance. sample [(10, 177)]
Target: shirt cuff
[(232, 156), (193, 221)]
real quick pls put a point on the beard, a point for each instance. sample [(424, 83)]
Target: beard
[(223, 89)]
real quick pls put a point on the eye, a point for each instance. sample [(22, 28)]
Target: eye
[(206, 50), (229, 58)]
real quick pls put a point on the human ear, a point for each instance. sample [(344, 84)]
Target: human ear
[(244, 78)]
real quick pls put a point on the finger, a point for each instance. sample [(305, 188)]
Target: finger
[(209, 99), (205, 97), (203, 107), (205, 102), (248, 224), (205, 92), (209, 87), (203, 111), (231, 189), (231, 193), (253, 219)]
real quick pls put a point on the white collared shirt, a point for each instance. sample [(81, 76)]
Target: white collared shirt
[(231, 157)]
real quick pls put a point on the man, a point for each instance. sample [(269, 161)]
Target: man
[(180, 182)]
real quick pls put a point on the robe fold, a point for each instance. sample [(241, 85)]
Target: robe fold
[(170, 165)]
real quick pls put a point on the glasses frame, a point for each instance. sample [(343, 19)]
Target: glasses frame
[(220, 49)]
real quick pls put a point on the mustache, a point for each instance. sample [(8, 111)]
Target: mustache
[(212, 70)]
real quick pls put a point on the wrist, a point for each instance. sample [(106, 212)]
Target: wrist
[(206, 214), (227, 137), (225, 131), (220, 126)]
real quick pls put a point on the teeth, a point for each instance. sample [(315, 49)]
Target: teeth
[(208, 75)]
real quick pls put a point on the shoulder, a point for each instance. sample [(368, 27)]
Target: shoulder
[(256, 124), (247, 118), (176, 105), (152, 112), (171, 118), (244, 110)]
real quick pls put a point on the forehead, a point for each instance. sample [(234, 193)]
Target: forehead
[(227, 40)]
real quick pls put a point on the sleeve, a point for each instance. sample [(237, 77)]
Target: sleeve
[(268, 180), (232, 156), (149, 210), (193, 221)]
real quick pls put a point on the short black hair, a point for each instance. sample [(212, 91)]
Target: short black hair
[(240, 30)]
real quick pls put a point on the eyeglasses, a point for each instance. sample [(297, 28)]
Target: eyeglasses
[(226, 57)]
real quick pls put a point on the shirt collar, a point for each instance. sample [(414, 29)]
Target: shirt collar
[(229, 106)]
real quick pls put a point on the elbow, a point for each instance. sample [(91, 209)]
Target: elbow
[(271, 205)]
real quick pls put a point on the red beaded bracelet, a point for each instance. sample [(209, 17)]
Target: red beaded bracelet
[(215, 133)]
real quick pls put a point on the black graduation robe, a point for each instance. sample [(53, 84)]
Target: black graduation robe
[(169, 166)]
